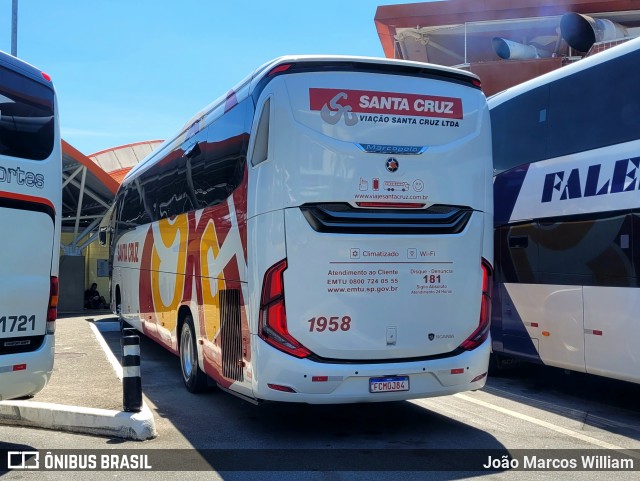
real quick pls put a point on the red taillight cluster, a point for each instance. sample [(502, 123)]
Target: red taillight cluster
[(272, 326), (482, 332), (52, 309)]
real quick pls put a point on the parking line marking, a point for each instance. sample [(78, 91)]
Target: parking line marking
[(545, 424), (107, 351), (573, 413)]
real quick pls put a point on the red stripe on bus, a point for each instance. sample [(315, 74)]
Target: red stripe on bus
[(28, 198)]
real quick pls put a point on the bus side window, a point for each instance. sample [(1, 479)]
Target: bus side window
[(149, 187), (27, 117), (260, 151), (166, 186), (520, 130), (195, 154), (217, 173), (592, 250), (117, 207), (587, 115), (131, 213)]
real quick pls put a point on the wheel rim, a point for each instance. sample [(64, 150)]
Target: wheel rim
[(186, 351)]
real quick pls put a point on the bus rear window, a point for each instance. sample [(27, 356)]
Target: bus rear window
[(26, 117)]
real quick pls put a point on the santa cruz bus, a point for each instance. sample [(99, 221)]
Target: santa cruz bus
[(320, 234), (567, 222), (30, 206)]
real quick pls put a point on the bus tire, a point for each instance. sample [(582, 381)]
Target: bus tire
[(194, 379)]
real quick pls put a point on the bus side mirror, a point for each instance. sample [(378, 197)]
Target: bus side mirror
[(102, 237)]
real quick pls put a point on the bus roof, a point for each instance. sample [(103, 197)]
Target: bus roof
[(23, 67), (267, 67), (585, 63), (254, 78)]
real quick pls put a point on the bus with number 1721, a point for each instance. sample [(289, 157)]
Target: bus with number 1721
[(322, 233), (30, 216)]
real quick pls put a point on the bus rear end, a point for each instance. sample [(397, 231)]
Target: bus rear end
[(30, 203), (369, 232)]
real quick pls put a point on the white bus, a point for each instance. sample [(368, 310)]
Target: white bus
[(30, 209), (567, 222), (320, 234)]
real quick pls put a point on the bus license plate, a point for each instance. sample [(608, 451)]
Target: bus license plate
[(388, 384)]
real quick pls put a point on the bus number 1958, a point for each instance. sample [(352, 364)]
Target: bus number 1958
[(333, 323)]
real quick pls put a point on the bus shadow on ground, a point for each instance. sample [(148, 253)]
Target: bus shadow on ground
[(219, 420), (607, 404)]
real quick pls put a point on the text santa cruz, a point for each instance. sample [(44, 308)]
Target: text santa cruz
[(401, 105), (386, 107)]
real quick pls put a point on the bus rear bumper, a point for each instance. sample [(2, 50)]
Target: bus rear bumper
[(323, 383), (35, 375)]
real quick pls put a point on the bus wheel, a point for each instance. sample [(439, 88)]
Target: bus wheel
[(194, 379)]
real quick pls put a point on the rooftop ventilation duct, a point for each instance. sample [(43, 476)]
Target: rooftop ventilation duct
[(510, 50), (581, 31)]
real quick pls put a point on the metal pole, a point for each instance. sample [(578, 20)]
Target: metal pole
[(465, 43), (14, 28)]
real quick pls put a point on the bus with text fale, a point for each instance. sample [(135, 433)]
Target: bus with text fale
[(567, 220), (30, 216), (320, 234)]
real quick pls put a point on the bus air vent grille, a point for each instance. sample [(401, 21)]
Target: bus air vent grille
[(231, 334)]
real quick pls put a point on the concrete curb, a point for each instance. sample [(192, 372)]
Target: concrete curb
[(137, 426), (104, 422)]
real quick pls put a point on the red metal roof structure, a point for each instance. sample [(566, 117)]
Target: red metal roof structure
[(89, 185), (463, 33), (118, 161), (87, 193)]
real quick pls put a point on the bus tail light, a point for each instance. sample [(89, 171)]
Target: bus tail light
[(52, 309), (272, 325), (279, 69), (482, 332)]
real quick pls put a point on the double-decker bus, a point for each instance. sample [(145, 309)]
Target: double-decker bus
[(30, 210), (567, 222), (321, 234)]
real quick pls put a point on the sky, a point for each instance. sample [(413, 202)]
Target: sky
[(133, 70)]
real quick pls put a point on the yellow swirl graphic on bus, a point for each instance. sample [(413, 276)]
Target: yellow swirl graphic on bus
[(168, 269), (210, 299)]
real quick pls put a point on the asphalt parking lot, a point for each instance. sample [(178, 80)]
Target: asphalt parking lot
[(530, 408)]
